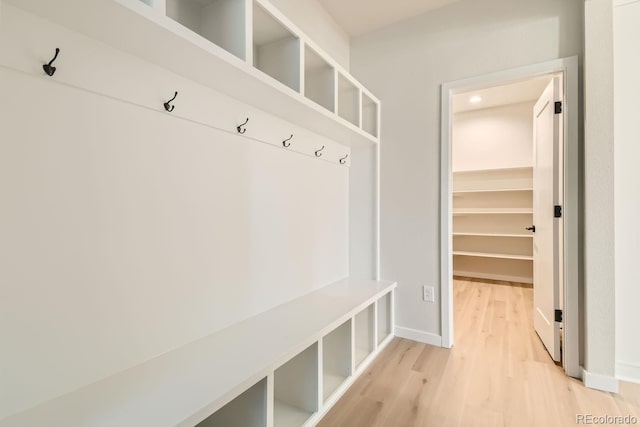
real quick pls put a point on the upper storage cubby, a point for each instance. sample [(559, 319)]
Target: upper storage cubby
[(369, 115), (244, 49), (276, 50), (319, 80), (219, 21), (348, 100)]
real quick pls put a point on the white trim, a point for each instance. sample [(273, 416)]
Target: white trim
[(419, 336), (628, 371), (569, 67), (600, 382)]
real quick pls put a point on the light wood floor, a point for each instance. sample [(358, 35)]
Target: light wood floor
[(497, 374)]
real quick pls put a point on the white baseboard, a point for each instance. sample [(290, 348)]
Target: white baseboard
[(420, 336), (488, 276), (600, 382), (627, 371)]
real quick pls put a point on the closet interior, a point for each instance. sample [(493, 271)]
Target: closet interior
[(492, 187)]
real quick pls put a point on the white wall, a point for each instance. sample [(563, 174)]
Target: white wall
[(599, 191), (627, 197), (493, 138), (405, 64), (127, 231), (312, 18)]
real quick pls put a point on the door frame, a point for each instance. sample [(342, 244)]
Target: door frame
[(568, 67)]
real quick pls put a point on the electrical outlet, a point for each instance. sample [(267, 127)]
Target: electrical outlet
[(428, 293)]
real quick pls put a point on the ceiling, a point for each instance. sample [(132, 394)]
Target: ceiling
[(357, 17), (512, 93)]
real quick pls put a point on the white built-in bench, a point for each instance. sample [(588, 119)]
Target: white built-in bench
[(284, 367)]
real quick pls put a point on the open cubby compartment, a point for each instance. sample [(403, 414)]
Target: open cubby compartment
[(348, 100), (369, 115), (383, 307), (223, 22), (296, 389), (319, 79), (364, 334), (276, 50), (336, 359), (247, 410)]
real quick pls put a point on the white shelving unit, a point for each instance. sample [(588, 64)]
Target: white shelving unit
[(491, 209), (246, 374), (336, 359), (227, 378), (248, 53), (364, 335)]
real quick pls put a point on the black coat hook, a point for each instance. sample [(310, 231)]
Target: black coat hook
[(240, 129), (49, 69), (344, 160), (318, 152), (168, 106), (286, 142)]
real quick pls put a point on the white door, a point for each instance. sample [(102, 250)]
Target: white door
[(546, 195)]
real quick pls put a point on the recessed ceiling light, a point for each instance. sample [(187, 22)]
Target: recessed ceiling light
[(475, 99)]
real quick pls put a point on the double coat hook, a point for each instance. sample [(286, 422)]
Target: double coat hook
[(49, 69), (344, 160), (318, 152), (286, 142), (241, 130)]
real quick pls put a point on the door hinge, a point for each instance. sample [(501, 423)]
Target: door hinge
[(558, 107), (558, 315), (557, 211)]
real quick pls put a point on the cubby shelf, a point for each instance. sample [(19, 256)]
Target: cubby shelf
[(489, 190), (493, 255), (492, 211), (215, 378), (494, 235), (218, 44)]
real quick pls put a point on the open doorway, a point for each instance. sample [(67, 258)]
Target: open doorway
[(509, 180)]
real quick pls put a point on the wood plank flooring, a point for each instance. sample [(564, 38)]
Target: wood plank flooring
[(497, 374)]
